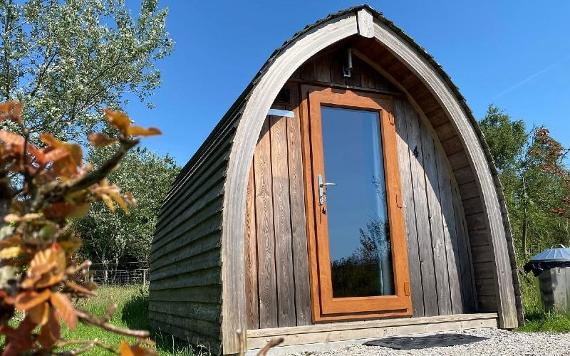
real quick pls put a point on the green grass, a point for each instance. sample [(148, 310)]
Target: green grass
[(536, 318), (132, 312)]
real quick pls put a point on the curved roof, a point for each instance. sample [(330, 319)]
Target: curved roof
[(235, 109)]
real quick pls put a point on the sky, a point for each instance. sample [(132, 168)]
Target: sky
[(514, 54)]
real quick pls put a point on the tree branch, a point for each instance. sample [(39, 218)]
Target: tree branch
[(105, 169), (272, 343), (89, 345), (5, 45), (43, 71)]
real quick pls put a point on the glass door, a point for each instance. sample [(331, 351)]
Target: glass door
[(359, 243)]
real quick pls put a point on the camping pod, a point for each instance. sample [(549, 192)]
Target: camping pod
[(347, 194)]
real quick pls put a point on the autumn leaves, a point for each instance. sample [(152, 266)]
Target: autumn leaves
[(48, 184)]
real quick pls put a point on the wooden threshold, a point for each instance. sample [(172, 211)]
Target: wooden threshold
[(371, 329)]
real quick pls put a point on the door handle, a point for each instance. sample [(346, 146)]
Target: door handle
[(322, 189)]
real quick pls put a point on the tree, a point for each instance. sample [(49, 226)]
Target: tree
[(506, 138), (535, 180), (121, 237), (66, 60)]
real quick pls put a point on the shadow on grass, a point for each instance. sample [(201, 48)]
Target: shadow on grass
[(135, 311), (135, 316)]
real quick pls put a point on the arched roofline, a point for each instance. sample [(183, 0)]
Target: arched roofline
[(360, 21)]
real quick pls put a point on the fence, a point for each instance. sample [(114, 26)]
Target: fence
[(129, 273)]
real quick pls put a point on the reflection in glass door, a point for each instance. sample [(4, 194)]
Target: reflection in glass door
[(357, 244), (358, 231)]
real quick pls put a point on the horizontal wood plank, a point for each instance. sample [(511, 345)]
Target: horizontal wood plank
[(191, 310), (369, 329), (199, 294)]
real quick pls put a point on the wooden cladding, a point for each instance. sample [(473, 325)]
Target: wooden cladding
[(439, 250), (327, 69), (470, 195), (437, 232), (277, 283)]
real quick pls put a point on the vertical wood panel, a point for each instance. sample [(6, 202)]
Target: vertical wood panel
[(422, 218), (298, 218), (402, 117), (322, 71), (251, 257), (282, 222), (437, 237), (435, 222), (265, 233), (466, 276), (450, 233)]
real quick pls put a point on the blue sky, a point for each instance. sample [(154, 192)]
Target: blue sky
[(515, 54)]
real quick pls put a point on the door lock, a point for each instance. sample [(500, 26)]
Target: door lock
[(323, 189)]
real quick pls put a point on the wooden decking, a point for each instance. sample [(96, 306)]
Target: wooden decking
[(372, 329)]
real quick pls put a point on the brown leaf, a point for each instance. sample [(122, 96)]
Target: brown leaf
[(110, 194), (11, 110), (63, 210), (40, 313), (47, 155), (100, 140), (14, 141), (118, 198), (67, 166), (64, 309), (135, 350), (79, 289), (47, 268), (53, 155), (118, 119), (141, 131), (29, 299), (50, 332), (130, 199), (108, 201)]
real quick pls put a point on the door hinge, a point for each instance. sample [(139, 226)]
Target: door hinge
[(407, 288), (399, 203)]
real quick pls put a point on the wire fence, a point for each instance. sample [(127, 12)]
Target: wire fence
[(112, 274)]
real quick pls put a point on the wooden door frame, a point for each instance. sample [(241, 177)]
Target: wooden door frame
[(324, 306)]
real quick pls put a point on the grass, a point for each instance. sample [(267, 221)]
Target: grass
[(132, 312), (536, 318)]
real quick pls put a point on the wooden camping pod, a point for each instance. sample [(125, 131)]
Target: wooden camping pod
[(233, 256)]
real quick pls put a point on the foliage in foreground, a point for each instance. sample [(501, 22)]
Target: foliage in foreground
[(45, 187)]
